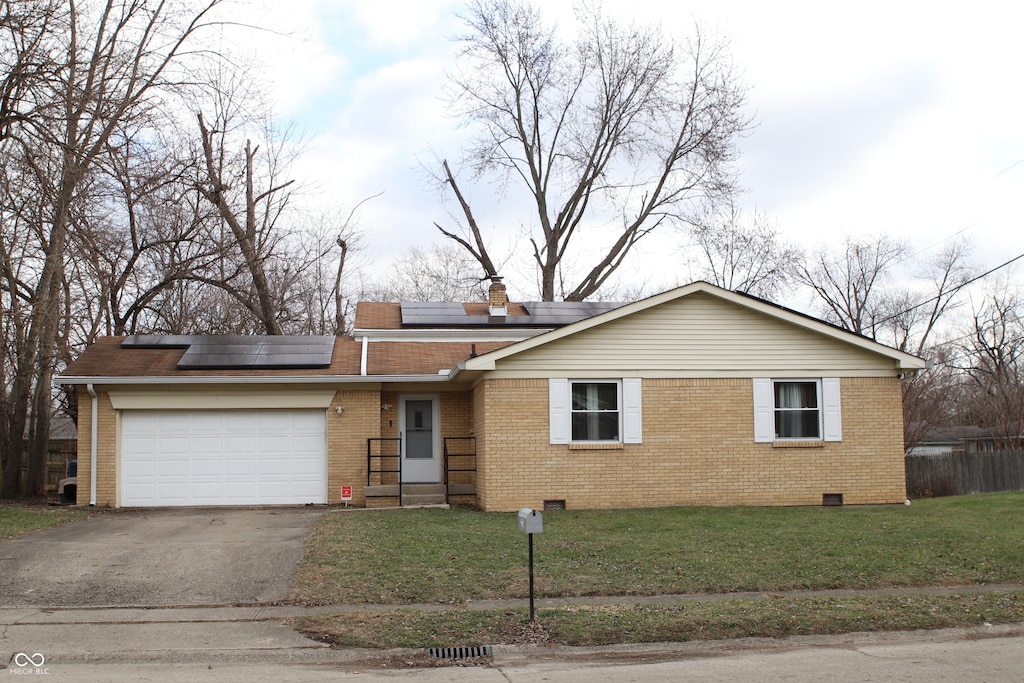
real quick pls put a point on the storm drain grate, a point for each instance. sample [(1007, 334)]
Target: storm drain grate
[(459, 652)]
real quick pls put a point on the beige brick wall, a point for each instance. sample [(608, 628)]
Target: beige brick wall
[(346, 441), (346, 445), (106, 450), (697, 449)]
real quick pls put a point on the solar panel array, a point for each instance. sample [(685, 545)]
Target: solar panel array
[(540, 314), (433, 313), (240, 352)]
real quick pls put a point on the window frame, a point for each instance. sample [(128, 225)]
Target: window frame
[(618, 410), (830, 405), (819, 408), (630, 398)]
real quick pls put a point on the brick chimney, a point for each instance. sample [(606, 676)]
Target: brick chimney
[(497, 297)]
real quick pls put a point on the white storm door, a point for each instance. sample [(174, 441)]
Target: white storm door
[(419, 423)]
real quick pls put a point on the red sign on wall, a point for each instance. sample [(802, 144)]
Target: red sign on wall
[(346, 493)]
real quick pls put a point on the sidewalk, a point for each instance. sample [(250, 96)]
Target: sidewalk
[(262, 612), (257, 632)]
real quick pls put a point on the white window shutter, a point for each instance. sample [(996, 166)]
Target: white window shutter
[(831, 409), (764, 417), (632, 414), (558, 410)]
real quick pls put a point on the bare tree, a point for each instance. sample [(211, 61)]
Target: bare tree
[(992, 359), (914, 313), (932, 397), (619, 127), (744, 253), (103, 64), (439, 273), (249, 224), (850, 283)]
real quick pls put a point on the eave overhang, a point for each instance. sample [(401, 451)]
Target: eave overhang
[(254, 379), (902, 362)]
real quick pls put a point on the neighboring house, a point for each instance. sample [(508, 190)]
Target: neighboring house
[(696, 396), (963, 439), (60, 449)]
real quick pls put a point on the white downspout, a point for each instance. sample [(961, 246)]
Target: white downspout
[(92, 446), (362, 360)]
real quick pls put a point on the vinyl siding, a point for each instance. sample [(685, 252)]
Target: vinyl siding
[(696, 336)]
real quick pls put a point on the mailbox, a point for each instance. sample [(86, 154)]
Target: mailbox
[(530, 521)]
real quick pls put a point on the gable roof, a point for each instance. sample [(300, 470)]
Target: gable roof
[(903, 361), (109, 360), (447, 315)]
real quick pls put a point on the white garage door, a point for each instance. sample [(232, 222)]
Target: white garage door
[(265, 457)]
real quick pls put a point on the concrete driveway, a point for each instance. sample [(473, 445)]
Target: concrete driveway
[(158, 557)]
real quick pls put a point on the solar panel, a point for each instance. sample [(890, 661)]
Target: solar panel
[(158, 341), (221, 361), (236, 351), (574, 309), (433, 313)]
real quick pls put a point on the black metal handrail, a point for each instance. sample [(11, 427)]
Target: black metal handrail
[(466, 448), (380, 456)]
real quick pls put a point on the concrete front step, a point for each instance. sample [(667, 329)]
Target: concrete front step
[(418, 494), (409, 500)]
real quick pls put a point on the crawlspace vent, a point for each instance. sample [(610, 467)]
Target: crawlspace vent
[(554, 504), (831, 499), (459, 652)]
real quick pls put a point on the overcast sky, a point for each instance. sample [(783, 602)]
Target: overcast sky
[(903, 118)]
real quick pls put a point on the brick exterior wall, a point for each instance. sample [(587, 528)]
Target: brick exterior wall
[(106, 450), (697, 449), (346, 445), (346, 441)]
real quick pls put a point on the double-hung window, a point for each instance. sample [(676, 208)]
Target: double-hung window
[(797, 409), (595, 411)]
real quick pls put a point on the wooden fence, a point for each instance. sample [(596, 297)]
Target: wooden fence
[(962, 473)]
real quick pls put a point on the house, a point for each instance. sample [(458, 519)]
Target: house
[(695, 396), (960, 439)]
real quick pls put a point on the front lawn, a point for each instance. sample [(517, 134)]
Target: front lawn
[(450, 556), (771, 617), (18, 519)]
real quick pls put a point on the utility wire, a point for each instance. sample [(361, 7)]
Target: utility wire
[(953, 291)]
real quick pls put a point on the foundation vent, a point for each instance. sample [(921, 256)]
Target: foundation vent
[(832, 499), (459, 652), (554, 504)]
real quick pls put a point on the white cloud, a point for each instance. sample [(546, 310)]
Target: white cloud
[(874, 117)]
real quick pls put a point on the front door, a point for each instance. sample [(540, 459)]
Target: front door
[(420, 425)]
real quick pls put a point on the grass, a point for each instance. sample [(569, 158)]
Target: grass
[(715, 620), (16, 519), (450, 556)]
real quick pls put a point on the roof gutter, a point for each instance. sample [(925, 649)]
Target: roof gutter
[(93, 442), (251, 379)]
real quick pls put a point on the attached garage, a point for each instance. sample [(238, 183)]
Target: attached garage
[(222, 457)]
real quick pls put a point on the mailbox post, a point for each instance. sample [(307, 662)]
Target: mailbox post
[(531, 522)]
